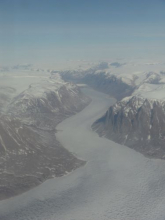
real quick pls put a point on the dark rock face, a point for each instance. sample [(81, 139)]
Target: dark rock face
[(48, 109), (137, 123), (109, 84), (29, 151)]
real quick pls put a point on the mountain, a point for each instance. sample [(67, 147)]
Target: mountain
[(29, 151), (45, 104), (136, 122), (119, 79), (102, 80), (113, 85)]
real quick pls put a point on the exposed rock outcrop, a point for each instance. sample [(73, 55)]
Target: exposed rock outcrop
[(116, 86), (109, 84), (136, 122), (29, 151)]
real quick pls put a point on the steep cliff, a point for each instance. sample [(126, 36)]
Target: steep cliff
[(136, 122)]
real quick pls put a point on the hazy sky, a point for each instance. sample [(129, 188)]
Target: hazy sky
[(49, 31)]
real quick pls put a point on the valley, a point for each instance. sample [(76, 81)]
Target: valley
[(115, 183), (137, 119)]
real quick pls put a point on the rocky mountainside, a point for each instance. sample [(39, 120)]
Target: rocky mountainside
[(108, 83), (102, 80), (118, 79), (29, 151), (136, 122), (44, 105)]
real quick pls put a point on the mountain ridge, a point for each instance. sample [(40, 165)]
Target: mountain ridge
[(29, 151)]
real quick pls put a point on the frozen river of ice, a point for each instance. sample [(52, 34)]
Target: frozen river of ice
[(116, 183)]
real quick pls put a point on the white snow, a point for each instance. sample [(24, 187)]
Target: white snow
[(117, 183)]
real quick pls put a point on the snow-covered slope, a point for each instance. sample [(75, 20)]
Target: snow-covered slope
[(29, 152), (47, 103), (138, 119), (120, 79)]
